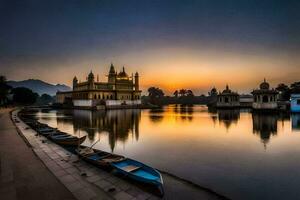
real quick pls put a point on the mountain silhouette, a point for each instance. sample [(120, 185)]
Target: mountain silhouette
[(39, 86)]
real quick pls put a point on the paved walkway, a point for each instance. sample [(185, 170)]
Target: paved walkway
[(23, 175)]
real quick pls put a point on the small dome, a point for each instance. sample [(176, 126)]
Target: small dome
[(264, 85), (123, 74), (214, 90), (227, 90)]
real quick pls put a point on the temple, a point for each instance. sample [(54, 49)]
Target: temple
[(264, 97), (228, 99), (120, 91)]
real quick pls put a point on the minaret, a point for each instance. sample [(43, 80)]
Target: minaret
[(136, 82), (112, 74), (91, 80), (75, 82)]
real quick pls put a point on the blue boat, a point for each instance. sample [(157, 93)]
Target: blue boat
[(98, 158), (139, 172)]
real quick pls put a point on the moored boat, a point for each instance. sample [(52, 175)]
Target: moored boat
[(68, 140), (98, 158), (45, 129), (139, 172), (53, 133)]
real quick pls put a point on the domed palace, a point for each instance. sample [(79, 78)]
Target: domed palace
[(264, 97), (120, 91)]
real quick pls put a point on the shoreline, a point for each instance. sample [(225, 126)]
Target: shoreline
[(184, 184)]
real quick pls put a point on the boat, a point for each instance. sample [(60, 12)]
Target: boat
[(45, 129), (140, 172), (98, 158), (53, 133), (68, 140)]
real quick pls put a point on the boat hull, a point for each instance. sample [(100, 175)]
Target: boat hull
[(139, 172), (100, 159), (69, 141)]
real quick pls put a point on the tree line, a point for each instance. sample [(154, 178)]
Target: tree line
[(20, 95), (157, 96)]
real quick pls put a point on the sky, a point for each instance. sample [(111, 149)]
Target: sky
[(194, 44)]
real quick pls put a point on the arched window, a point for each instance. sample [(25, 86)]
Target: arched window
[(111, 96), (265, 99), (99, 96), (95, 96), (226, 99)]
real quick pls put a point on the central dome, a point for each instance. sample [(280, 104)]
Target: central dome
[(264, 85), (123, 74)]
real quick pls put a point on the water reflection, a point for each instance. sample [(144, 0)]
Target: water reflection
[(264, 125), (156, 115), (185, 112), (117, 123), (228, 117), (295, 121)]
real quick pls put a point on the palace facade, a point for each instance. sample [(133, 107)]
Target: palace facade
[(265, 98), (120, 91)]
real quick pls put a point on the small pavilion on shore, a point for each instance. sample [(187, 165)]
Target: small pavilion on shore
[(264, 97), (228, 99)]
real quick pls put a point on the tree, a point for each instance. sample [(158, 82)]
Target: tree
[(284, 91), (155, 92), (155, 95), (182, 92), (295, 87), (4, 90), (189, 93), (176, 93), (213, 92), (22, 95), (45, 99)]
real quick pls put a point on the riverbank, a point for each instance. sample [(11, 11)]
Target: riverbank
[(174, 187), (23, 175)]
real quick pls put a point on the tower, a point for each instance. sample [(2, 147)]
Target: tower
[(75, 82), (112, 74), (91, 80), (136, 82)]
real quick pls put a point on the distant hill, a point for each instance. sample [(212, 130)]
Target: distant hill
[(39, 86)]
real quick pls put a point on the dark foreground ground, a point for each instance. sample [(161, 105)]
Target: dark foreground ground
[(24, 176)]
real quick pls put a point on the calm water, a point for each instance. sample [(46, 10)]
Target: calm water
[(236, 153)]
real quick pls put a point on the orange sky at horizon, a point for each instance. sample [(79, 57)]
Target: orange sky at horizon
[(176, 68)]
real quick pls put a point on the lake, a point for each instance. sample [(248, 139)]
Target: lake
[(239, 154)]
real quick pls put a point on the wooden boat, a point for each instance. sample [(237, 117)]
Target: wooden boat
[(53, 133), (68, 140), (45, 129), (98, 158), (140, 172)]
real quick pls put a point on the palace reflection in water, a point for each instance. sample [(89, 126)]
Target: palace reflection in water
[(119, 124)]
